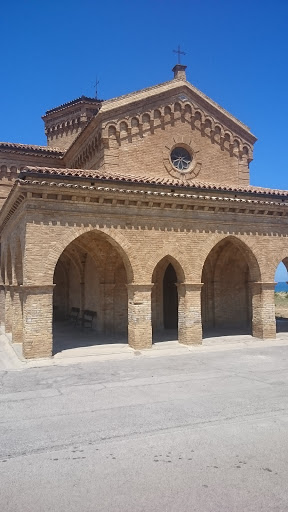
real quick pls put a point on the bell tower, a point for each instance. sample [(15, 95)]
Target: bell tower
[(64, 123)]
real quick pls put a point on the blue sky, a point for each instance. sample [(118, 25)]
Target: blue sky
[(236, 53)]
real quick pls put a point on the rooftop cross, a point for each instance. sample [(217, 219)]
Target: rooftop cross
[(179, 53), (96, 87)]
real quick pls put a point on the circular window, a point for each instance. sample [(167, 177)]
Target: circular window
[(181, 158)]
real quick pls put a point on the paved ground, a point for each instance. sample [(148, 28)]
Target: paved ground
[(202, 430)]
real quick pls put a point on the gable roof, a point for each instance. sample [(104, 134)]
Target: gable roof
[(112, 106)]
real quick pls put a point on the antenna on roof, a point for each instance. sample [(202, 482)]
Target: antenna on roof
[(96, 87)]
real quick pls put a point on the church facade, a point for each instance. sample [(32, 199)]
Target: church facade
[(139, 209)]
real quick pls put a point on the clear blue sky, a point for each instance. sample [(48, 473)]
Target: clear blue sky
[(281, 274), (237, 54)]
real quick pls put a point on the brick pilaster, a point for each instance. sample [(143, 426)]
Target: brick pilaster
[(17, 321), (189, 313), (37, 321), (8, 309), (2, 305), (263, 310), (139, 316)]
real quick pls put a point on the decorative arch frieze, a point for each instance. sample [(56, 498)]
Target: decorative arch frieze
[(169, 114)]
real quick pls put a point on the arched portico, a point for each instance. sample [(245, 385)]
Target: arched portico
[(234, 299), (167, 275), (175, 303), (93, 272), (90, 276)]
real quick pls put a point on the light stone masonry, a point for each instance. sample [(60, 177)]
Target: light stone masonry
[(107, 220)]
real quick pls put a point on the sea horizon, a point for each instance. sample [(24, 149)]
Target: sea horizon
[(281, 287)]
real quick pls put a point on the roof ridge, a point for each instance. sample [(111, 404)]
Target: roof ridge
[(104, 175), (31, 146), (72, 102)]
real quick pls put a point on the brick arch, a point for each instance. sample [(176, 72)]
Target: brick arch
[(226, 300), (176, 265), (173, 257), (281, 256), (247, 250), (116, 239)]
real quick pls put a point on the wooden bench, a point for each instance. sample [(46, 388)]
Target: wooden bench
[(74, 315), (87, 318)]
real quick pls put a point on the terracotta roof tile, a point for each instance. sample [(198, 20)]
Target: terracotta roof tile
[(129, 178), (81, 99), (31, 147)]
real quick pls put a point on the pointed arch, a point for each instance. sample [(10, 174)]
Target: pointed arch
[(116, 239), (227, 275), (164, 262), (167, 275)]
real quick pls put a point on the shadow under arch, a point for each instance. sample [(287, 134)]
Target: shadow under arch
[(116, 239), (226, 296), (90, 300), (9, 268), (167, 274), (18, 262)]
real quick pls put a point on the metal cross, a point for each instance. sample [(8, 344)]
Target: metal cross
[(179, 53), (96, 87)]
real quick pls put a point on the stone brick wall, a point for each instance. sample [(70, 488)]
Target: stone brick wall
[(11, 164), (120, 253), (146, 153)]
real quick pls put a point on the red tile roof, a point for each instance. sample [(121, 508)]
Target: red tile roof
[(129, 178), (31, 148)]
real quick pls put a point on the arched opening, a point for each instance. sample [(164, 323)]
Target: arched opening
[(170, 299), (90, 305), (281, 296), (226, 296), (166, 276)]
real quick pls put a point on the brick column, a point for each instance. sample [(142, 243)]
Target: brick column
[(17, 322), (263, 310), (189, 313), (8, 309), (2, 305), (37, 321), (139, 316)]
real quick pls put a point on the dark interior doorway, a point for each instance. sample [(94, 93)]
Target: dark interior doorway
[(170, 299)]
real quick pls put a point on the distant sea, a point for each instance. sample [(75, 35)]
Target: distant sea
[(281, 287)]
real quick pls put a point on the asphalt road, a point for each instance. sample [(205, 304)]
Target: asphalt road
[(194, 432)]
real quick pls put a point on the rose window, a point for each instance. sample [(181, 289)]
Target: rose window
[(181, 159)]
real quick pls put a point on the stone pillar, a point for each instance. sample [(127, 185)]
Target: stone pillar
[(263, 310), (139, 316), (8, 309), (37, 321), (17, 322), (2, 305), (107, 300), (189, 313)]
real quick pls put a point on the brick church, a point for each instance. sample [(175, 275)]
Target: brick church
[(139, 209)]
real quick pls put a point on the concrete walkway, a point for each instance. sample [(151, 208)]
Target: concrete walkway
[(114, 349), (202, 430)]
